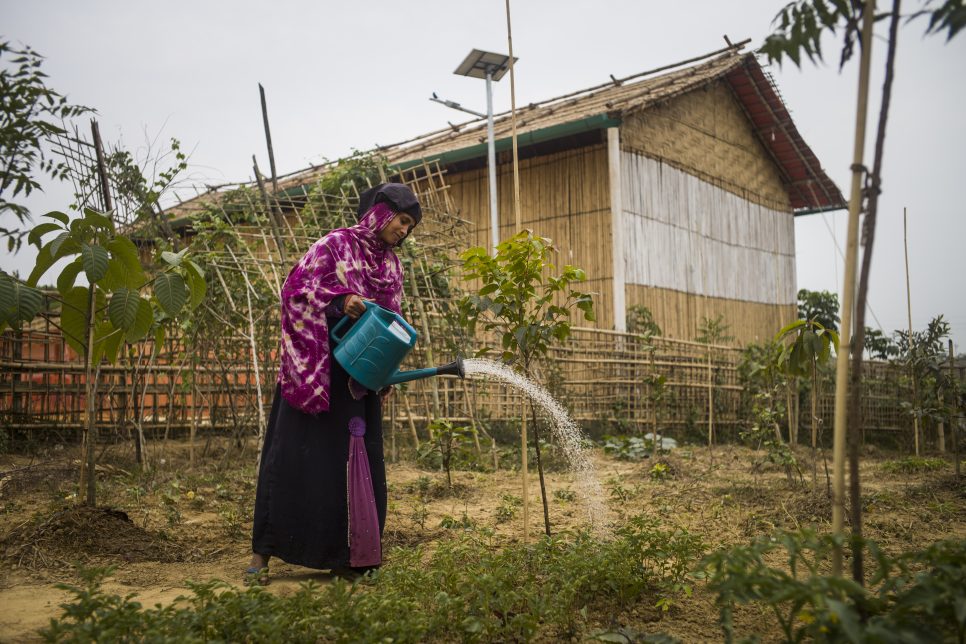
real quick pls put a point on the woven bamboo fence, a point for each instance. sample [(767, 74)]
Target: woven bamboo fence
[(605, 378)]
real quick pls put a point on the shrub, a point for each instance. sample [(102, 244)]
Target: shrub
[(915, 597)]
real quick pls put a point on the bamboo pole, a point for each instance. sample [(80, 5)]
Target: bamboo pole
[(258, 379), (412, 423), (954, 422), (912, 353), (848, 291), (517, 226)]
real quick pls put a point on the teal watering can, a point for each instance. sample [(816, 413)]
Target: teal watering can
[(372, 350)]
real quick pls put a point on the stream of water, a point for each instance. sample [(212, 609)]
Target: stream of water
[(566, 430)]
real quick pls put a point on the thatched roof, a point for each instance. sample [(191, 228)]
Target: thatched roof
[(808, 186)]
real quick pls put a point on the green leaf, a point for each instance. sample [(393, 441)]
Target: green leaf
[(59, 216), (123, 309), (194, 266), (65, 281), (142, 321), (788, 328), (95, 260), (97, 219), (58, 241), (196, 284), (18, 302), (39, 231), (174, 259), (73, 318), (41, 265), (127, 270), (158, 340), (847, 617), (171, 292), (107, 341)]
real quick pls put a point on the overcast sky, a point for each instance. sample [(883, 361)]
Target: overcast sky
[(349, 75)]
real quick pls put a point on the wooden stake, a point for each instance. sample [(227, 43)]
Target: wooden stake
[(268, 140), (710, 402), (848, 293), (912, 355), (954, 422)]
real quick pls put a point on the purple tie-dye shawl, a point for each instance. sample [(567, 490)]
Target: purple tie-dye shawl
[(347, 260)]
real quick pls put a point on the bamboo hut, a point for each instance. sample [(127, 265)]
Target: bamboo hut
[(674, 189)]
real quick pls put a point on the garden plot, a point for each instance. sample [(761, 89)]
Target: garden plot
[(172, 525)]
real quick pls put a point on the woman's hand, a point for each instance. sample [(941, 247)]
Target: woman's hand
[(354, 306)]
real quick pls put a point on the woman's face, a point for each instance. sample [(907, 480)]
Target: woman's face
[(397, 228)]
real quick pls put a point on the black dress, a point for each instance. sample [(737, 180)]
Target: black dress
[(301, 507)]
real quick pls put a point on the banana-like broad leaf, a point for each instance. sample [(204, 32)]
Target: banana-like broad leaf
[(123, 309), (95, 262), (142, 321), (171, 292)]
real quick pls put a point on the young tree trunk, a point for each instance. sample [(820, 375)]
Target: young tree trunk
[(89, 476), (543, 486), (855, 387), (814, 425)]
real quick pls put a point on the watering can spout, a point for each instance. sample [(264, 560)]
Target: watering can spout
[(454, 368)]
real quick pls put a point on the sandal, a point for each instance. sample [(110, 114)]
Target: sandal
[(255, 577)]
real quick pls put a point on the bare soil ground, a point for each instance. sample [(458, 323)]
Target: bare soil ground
[(175, 523)]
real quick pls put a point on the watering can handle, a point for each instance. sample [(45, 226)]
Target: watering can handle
[(345, 320)]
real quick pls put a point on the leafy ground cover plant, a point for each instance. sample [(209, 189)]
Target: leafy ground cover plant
[(627, 448), (914, 465), (915, 597), (465, 590)]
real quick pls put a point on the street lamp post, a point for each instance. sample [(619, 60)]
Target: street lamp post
[(492, 67)]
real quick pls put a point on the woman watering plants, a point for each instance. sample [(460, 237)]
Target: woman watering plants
[(321, 497)]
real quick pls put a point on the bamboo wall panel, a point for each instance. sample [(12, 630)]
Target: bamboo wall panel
[(706, 133), (685, 234), (679, 314), (564, 196)]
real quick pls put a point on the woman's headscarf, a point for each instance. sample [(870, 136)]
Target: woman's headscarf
[(347, 260)]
